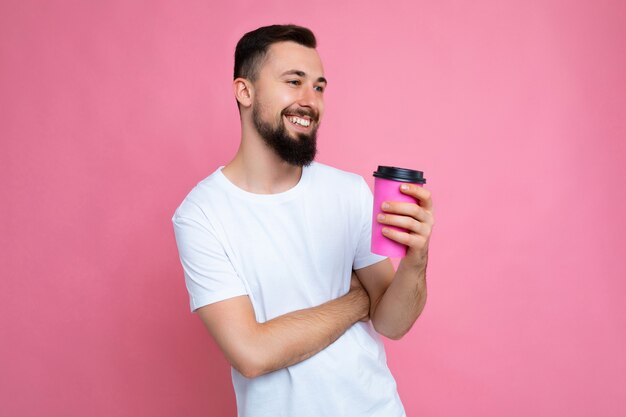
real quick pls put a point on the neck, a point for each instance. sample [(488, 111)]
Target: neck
[(257, 169)]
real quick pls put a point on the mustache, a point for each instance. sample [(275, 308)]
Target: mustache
[(314, 115)]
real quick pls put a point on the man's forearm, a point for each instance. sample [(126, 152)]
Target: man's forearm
[(296, 336), (402, 303)]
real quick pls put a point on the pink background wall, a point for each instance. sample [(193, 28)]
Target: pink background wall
[(111, 111)]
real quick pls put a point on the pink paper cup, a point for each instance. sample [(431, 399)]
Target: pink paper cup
[(387, 182)]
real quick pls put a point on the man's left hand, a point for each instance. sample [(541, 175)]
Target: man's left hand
[(416, 219)]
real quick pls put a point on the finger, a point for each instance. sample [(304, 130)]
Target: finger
[(408, 209), (411, 240), (404, 222), (407, 224), (420, 193)]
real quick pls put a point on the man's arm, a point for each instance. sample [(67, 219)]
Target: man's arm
[(397, 299), (255, 348)]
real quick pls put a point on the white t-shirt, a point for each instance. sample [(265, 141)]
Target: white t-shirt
[(290, 251)]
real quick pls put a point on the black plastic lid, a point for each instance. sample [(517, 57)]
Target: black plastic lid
[(400, 174)]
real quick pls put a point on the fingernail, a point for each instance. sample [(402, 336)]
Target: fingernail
[(386, 206), (404, 187), (381, 217)]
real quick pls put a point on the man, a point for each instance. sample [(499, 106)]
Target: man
[(276, 250)]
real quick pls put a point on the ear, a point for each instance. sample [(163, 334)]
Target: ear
[(243, 90)]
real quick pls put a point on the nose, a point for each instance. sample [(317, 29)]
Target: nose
[(309, 98)]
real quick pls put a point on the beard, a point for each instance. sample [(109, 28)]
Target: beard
[(300, 151)]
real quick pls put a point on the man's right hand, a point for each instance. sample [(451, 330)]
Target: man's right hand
[(357, 288), (256, 348)]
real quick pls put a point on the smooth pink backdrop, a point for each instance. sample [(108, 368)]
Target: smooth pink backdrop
[(112, 111)]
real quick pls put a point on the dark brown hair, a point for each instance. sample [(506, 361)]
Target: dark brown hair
[(252, 47)]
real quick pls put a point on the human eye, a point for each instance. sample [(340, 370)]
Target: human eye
[(294, 82), (319, 88)]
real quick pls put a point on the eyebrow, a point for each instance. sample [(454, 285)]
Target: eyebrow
[(303, 75)]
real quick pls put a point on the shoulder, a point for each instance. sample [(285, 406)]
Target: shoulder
[(347, 189), (328, 175), (199, 200)]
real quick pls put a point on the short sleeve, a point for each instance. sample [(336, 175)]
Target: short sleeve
[(364, 256), (209, 274)]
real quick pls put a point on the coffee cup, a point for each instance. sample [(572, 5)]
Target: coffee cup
[(387, 182)]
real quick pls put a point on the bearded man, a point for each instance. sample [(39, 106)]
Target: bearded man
[(275, 249)]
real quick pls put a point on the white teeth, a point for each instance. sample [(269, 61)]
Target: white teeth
[(299, 121)]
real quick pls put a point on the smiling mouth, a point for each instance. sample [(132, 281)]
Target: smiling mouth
[(299, 121)]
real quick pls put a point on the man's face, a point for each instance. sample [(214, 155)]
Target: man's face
[(288, 102)]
